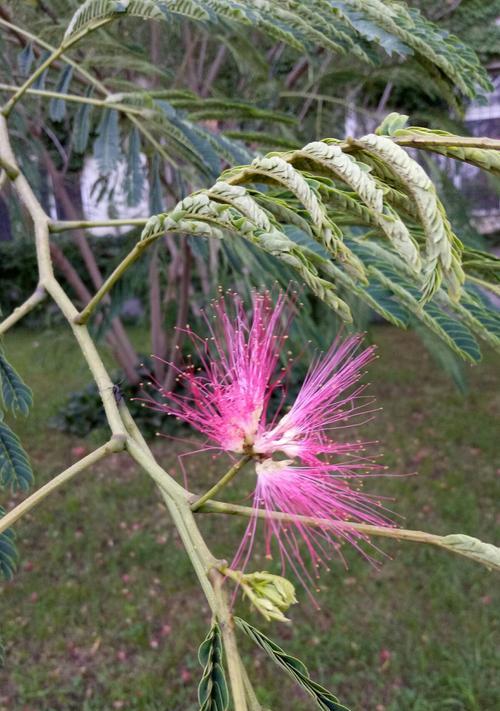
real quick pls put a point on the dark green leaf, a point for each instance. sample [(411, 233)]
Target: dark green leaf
[(134, 176), (39, 83), (8, 555), (15, 468), (155, 189), (15, 393), (81, 127), (457, 332), (294, 667), (213, 694), (25, 59), (107, 151), (57, 107)]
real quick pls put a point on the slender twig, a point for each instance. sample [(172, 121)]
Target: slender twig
[(76, 99), (223, 481), (326, 98), (64, 225), (25, 308), (51, 285), (429, 140), (495, 288), (92, 81), (56, 54), (114, 445), (11, 171), (116, 274), (401, 534)]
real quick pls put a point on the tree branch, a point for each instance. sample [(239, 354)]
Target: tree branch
[(116, 444), (21, 311), (401, 534), (64, 225)]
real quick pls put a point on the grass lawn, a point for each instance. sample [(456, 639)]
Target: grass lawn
[(105, 612)]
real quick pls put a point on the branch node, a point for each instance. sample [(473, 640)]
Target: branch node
[(118, 443)]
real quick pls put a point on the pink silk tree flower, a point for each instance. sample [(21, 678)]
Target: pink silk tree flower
[(320, 406), (324, 494), (302, 469), (226, 400)]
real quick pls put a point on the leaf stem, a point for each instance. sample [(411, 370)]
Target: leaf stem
[(25, 308), (63, 225), (223, 481), (114, 445), (401, 534), (76, 99)]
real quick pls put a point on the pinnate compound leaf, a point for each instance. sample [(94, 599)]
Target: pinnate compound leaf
[(82, 125), (8, 557), (92, 13), (25, 59), (57, 107), (15, 467), (135, 174), (107, 151), (213, 694), (16, 395), (294, 667)]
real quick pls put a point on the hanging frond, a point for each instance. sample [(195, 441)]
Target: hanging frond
[(339, 27), (287, 204)]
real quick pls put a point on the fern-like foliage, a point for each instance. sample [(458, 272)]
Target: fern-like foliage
[(359, 218), (16, 395), (213, 694), (324, 699), (341, 27), (8, 557)]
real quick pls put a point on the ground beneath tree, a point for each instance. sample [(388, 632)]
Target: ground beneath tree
[(105, 612)]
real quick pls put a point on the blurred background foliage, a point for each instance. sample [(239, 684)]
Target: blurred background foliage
[(221, 91)]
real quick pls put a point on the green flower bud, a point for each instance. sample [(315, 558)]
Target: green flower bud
[(270, 594)]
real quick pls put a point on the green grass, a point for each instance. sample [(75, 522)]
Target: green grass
[(105, 612)]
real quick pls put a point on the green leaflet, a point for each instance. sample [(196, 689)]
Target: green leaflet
[(25, 59), (107, 149), (340, 27), (94, 12), (57, 107), (470, 547), (213, 694), (8, 557), (134, 175), (15, 468), (461, 336), (292, 666), (485, 158), (155, 187), (16, 395), (82, 124), (449, 361)]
